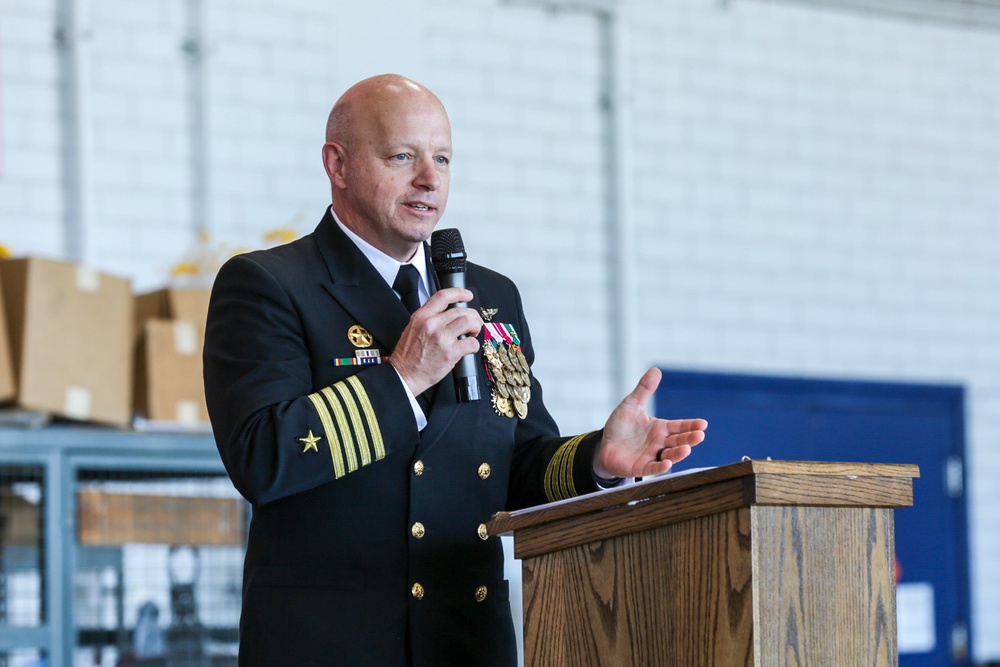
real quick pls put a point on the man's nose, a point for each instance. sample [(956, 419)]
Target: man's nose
[(427, 176)]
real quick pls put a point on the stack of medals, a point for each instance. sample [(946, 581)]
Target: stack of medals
[(507, 368)]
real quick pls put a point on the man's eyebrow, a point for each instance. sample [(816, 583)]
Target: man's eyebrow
[(394, 149)]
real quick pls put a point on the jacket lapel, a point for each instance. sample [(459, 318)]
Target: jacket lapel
[(361, 291), (358, 287)]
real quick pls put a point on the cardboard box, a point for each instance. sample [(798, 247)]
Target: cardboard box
[(70, 334), (20, 520), (169, 385), (111, 519), (6, 365), (172, 303), (170, 332)]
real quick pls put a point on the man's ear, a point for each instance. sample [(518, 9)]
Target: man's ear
[(333, 162)]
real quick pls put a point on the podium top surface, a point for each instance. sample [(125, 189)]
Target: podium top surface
[(752, 482)]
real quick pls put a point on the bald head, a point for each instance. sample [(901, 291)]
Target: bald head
[(388, 156), (372, 97)]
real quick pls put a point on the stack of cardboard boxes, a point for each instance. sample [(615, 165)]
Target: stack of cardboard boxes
[(6, 366), (69, 329), (170, 331), (75, 343)]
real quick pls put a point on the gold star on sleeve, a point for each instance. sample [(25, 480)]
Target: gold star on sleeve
[(310, 442)]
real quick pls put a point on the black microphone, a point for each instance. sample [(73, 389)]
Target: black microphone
[(448, 256)]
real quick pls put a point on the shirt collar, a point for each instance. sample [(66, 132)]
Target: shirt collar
[(387, 266)]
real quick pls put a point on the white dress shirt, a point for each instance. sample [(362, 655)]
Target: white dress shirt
[(388, 267)]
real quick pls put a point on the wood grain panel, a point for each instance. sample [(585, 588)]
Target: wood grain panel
[(706, 499), (831, 492), (823, 586), (675, 595), (624, 519), (651, 488), (760, 563)]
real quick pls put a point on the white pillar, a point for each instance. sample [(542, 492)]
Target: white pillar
[(73, 40)]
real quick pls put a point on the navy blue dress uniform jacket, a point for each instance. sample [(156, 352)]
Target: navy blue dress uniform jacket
[(367, 544)]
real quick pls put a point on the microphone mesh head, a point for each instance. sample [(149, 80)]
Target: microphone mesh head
[(448, 251)]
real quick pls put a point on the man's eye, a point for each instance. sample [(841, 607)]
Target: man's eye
[(400, 156), (441, 159)]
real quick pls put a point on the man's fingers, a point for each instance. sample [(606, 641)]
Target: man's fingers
[(673, 454), (443, 298), (459, 322), (686, 425), (688, 438), (657, 467), (435, 314), (648, 383), (452, 333)]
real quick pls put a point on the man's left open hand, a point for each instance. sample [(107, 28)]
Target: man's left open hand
[(637, 445)]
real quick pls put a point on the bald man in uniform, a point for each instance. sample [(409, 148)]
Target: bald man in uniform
[(371, 484)]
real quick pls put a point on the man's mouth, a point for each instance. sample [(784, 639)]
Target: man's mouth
[(419, 207)]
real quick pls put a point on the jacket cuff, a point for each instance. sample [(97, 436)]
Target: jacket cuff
[(571, 470)]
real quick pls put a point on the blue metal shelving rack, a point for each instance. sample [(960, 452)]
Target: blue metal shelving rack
[(61, 452)]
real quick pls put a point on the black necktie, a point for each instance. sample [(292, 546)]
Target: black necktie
[(406, 285)]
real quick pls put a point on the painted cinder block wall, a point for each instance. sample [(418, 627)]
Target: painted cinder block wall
[(811, 191)]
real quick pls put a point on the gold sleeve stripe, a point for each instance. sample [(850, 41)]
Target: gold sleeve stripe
[(345, 431), (554, 472), (359, 428), (366, 407), (559, 473), (351, 412), (331, 434)]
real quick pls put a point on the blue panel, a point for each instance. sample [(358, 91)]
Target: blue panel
[(826, 420)]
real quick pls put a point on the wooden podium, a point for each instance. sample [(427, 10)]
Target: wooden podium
[(756, 563)]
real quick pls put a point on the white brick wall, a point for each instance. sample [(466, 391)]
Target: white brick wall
[(825, 185), (274, 72), (30, 171), (526, 188), (138, 221), (815, 192)]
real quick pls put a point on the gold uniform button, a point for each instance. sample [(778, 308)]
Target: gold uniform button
[(417, 591), (483, 533), (418, 468), (480, 593), (417, 530), (484, 470)]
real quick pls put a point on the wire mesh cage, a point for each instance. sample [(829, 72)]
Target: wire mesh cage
[(158, 569), (22, 557)]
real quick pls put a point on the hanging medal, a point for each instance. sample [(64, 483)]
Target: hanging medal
[(507, 368)]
